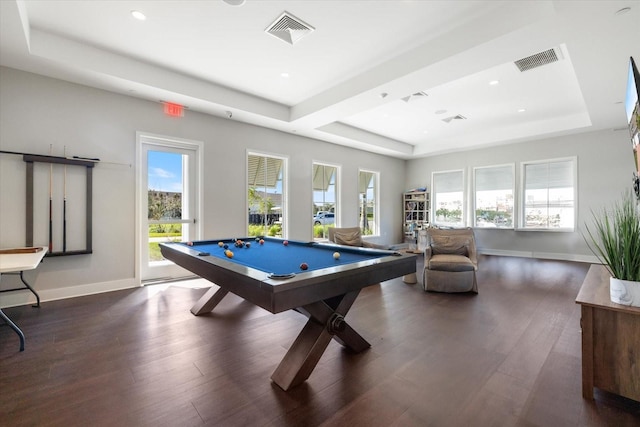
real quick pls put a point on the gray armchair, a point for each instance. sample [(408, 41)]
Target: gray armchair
[(450, 261), (351, 236)]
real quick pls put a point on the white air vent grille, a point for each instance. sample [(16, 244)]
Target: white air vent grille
[(537, 60), (415, 96), (456, 117), (289, 28)]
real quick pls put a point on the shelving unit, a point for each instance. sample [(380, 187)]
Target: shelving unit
[(416, 214)]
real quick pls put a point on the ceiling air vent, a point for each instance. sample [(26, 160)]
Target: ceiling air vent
[(456, 117), (538, 59), (415, 96), (289, 28)]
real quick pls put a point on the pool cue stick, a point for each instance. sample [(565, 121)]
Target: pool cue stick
[(50, 201), (64, 208)]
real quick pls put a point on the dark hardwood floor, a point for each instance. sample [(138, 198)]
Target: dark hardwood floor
[(509, 356)]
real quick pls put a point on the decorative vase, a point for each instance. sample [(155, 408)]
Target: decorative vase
[(624, 292)]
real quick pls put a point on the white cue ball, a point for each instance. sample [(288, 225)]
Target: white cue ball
[(336, 255)]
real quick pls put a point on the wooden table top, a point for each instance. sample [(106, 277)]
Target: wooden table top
[(595, 291)]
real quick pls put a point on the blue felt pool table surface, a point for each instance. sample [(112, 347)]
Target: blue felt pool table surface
[(275, 257)]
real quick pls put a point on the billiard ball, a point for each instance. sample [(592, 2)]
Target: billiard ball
[(220, 244), (304, 266), (189, 243), (225, 246), (261, 241), (247, 245), (257, 239), (228, 253), (286, 243), (336, 255)]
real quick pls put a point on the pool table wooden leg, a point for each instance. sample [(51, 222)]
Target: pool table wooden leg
[(209, 300), (325, 323)]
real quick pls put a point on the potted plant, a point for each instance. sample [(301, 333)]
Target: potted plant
[(616, 242)]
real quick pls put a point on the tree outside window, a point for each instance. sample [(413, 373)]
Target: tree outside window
[(325, 209), (266, 195), (368, 203)]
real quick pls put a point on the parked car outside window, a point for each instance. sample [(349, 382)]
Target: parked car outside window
[(324, 218)]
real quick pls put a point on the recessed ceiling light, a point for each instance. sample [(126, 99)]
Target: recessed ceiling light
[(234, 2), (384, 95), (425, 131), (441, 111), (138, 15), (521, 110), (285, 75), (494, 82)]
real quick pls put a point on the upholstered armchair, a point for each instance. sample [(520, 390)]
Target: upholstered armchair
[(450, 261), (351, 236)]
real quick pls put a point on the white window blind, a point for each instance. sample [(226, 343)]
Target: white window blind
[(549, 194), (448, 198), (494, 191)]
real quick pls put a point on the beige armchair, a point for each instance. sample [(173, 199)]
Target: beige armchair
[(351, 236), (450, 261)]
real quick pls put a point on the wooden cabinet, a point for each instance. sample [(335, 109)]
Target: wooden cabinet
[(416, 214), (610, 339)]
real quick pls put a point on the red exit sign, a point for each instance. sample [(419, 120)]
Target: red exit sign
[(173, 110)]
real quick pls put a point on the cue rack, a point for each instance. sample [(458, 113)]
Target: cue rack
[(88, 164)]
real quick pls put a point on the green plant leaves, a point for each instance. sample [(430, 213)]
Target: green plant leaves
[(616, 238)]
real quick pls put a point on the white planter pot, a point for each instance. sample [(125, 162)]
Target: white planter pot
[(625, 292)]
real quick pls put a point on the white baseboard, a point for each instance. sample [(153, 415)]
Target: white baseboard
[(590, 259), (23, 297)]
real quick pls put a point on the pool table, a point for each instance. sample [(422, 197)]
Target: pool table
[(269, 273)]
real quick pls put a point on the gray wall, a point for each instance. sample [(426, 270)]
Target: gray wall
[(36, 111), (605, 166)]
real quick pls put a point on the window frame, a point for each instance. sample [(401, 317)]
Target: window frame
[(285, 187), (515, 214), (522, 200), (376, 205), (336, 207), (463, 199)]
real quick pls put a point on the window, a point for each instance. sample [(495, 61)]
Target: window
[(325, 185), (549, 195), (494, 191), (266, 195), (448, 198), (368, 194)]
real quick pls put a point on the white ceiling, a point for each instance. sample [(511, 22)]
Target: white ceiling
[(213, 57)]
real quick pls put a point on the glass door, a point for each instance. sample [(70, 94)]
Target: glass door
[(169, 177)]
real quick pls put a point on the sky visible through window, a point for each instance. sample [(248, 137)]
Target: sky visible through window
[(165, 171)]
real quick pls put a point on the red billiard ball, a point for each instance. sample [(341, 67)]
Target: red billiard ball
[(286, 242), (304, 266), (189, 243), (261, 241)]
